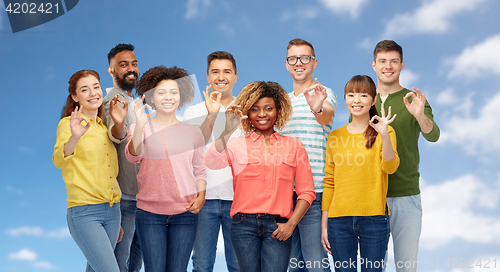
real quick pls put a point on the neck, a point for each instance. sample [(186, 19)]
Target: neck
[(359, 124), (165, 119), (226, 100), (387, 89), (92, 114), (300, 86)]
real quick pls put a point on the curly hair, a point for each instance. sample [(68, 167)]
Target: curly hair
[(72, 104), (254, 91), (150, 79)]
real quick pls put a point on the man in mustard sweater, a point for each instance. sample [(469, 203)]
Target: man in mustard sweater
[(414, 117)]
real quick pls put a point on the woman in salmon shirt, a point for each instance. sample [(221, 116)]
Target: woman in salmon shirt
[(266, 166), (89, 166)]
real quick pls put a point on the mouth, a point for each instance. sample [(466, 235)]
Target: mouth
[(93, 100), (357, 108), (130, 75), (388, 73), (168, 104)]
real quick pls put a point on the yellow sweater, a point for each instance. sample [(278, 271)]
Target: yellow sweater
[(356, 177), (90, 172)]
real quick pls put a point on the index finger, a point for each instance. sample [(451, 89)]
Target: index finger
[(317, 81)]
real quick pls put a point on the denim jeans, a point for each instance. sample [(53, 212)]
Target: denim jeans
[(212, 215), (308, 253), (166, 240), (370, 232), (128, 251), (95, 229), (406, 225), (255, 249)]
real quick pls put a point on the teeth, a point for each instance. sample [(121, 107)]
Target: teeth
[(299, 70)]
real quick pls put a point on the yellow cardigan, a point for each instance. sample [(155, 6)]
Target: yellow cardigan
[(356, 177), (90, 172)]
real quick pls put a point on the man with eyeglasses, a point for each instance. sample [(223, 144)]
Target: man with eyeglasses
[(314, 106)]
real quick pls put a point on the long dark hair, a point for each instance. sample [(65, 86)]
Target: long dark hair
[(70, 103), (364, 84)]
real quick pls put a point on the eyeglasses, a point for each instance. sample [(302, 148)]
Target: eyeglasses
[(305, 59)]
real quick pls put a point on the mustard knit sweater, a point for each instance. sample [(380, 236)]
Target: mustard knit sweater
[(356, 177)]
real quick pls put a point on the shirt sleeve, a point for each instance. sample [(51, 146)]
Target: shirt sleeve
[(391, 166), (63, 135), (304, 183), (217, 160), (332, 99), (328, 180), (198, 165), (434, 134), (131, 158)]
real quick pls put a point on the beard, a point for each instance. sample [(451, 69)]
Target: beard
[(123, 83)]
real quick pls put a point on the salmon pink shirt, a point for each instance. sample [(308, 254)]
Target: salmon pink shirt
[(264, 178)]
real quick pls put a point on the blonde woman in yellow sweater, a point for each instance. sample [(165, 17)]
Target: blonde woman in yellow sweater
[(359, 157)]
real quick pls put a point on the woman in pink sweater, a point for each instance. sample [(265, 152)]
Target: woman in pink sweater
[(172, 174)]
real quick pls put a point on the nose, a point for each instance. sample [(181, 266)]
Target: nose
[(356, 98), (221, 76), (262, 113)]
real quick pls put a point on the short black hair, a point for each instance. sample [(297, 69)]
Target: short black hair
[(221, 55), (119, 48)]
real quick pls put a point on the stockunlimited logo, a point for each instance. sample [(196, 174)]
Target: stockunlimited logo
[(25, 14)]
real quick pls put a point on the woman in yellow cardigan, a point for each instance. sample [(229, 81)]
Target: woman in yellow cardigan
[(89, 166), (359, 157)]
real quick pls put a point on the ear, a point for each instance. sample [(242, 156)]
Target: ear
[(315, 63), (75, 98), (208, 80), (374, 100), (235, 77), (110, 71), (402, 65), (373, 66)]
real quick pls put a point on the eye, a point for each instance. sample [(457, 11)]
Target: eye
[(269, 108), (253, 109)]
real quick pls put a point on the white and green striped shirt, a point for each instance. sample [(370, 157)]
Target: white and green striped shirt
[(303, 126)]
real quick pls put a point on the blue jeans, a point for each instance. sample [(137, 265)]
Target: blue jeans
[(166, 240), (308, 253), (372, 234), (212, 215), (128, 251), (95, 229), (255, 249), (406, 225)]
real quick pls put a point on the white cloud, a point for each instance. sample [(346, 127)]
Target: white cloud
[(301, 14), (447, 97), (196, 7), (407, 78), (431, 17), (45, 265), (14, 190), (478, 135), (451, 212), (479, 60), (226, 29), (38, 232), (353, 7), (23, 254)]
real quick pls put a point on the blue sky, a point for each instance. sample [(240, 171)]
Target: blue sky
[(451, 52)]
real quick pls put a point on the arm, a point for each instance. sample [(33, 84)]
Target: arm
[(382, 127), (324, 232), (135, 144), (200, 174), (77, 131), (233, 120), (417, 109), (212, 104), (328, 189), (285, 230)]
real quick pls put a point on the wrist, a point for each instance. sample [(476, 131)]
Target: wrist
[(317, 112)]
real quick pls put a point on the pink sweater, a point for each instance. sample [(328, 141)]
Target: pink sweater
[(171, 163)]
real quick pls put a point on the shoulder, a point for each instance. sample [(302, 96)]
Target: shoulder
[(198, 109)]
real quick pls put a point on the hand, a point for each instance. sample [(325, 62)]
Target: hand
[(117, 112), (141, 117), (212, 100), (283, 232), (233, 118), (196, 204), (383, 122), (75, 122), (324, 240), (417, 105), (316, 98), (120, 235)]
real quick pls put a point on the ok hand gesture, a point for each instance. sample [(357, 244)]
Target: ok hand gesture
[(212, 100), (141, 117), (316, 98), (117, 112), (417, 105), (75, 122), (233, 118), (383, 122)]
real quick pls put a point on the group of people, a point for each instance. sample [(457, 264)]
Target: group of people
[(265, 167)]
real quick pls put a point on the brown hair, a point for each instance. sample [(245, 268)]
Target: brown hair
[(155, 75), (72, 104), (299, 41), (221, 55), (364, 84), (385, 46), (254, 91)]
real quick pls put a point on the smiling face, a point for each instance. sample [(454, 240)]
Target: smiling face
[(222, 76), (263, 115), (388, 66), (359, 104), (88, 94), (166, 97), (301, 72), (125, 70)]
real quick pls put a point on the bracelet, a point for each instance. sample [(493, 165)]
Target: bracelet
[(320, 112)]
